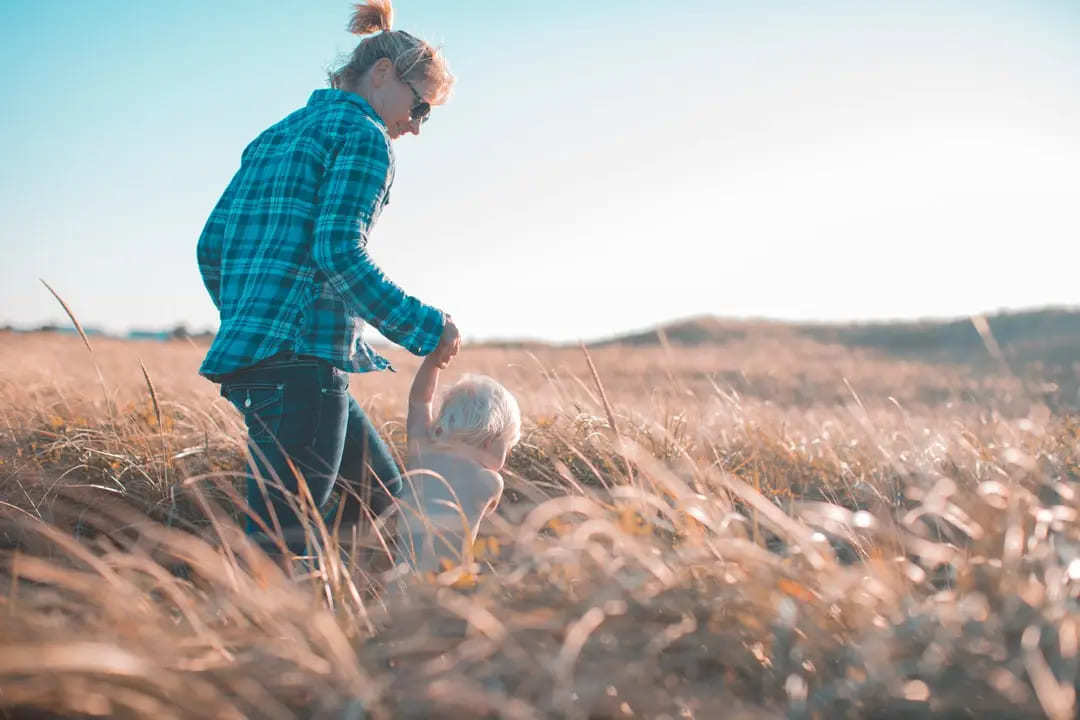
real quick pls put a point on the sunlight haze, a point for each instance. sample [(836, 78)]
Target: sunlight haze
[(599, 169)]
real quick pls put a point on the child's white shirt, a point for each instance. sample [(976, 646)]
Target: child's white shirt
[(447, 492)]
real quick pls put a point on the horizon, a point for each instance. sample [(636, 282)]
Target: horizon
[(162, 333), (841, 163)]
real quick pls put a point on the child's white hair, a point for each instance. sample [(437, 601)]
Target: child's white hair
[(478, 411)]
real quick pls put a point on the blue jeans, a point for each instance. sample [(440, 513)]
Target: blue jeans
[(298, 408)]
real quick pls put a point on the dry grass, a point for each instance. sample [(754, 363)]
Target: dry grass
[(780, 529)]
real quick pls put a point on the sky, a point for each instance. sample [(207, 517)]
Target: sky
[(601, 166)]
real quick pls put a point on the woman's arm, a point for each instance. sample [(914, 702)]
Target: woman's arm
[(208, 253), (350, 196)]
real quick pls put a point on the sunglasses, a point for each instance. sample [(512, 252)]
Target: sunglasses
[(421, 109)]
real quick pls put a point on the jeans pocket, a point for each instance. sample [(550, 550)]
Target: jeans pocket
[(337, 382), (261, 404), (331, 409)]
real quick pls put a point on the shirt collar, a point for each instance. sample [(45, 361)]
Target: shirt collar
[(330, 95)]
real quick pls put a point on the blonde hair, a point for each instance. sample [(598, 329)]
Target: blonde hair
[(413, 58), (478, 411)]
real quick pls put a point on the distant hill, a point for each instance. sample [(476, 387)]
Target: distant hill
[(179, 332), (1048, 336)]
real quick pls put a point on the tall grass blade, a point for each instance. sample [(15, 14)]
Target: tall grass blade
[(153, 394), (86, 341), (164, 439), (74, 320), (607, 410)]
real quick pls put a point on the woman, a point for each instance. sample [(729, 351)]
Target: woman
[(283, 257)]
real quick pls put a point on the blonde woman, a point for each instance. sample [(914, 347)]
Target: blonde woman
[(283, 256)]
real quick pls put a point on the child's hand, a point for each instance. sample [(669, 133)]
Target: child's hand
[(449, 344)]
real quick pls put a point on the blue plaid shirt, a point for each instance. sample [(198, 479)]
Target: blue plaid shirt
[(284, 256)]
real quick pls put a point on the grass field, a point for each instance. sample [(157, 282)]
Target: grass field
[(772, 527)]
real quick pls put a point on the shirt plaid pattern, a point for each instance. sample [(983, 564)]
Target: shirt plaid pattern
[(283, 254)]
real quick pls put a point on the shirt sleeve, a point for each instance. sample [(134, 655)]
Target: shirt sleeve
[(352, 191), (208, 253)]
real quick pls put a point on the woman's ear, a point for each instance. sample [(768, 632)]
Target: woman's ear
[(380, 71)]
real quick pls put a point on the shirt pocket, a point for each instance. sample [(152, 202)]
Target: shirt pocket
[(261, 404)]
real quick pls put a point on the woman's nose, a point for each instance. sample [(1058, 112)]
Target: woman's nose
[(414, 126)]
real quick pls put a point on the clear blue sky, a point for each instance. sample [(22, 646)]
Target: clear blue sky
[(601, 167)]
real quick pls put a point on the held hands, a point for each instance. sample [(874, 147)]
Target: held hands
[(449, 344)]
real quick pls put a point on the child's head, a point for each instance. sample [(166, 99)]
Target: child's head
[(479, 412)]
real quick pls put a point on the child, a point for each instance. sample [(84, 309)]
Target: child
[(452, 479)]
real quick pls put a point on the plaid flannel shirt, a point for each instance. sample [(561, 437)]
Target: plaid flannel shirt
[(283, 254)]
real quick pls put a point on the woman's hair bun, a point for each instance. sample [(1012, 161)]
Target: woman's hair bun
[(371, 17)]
